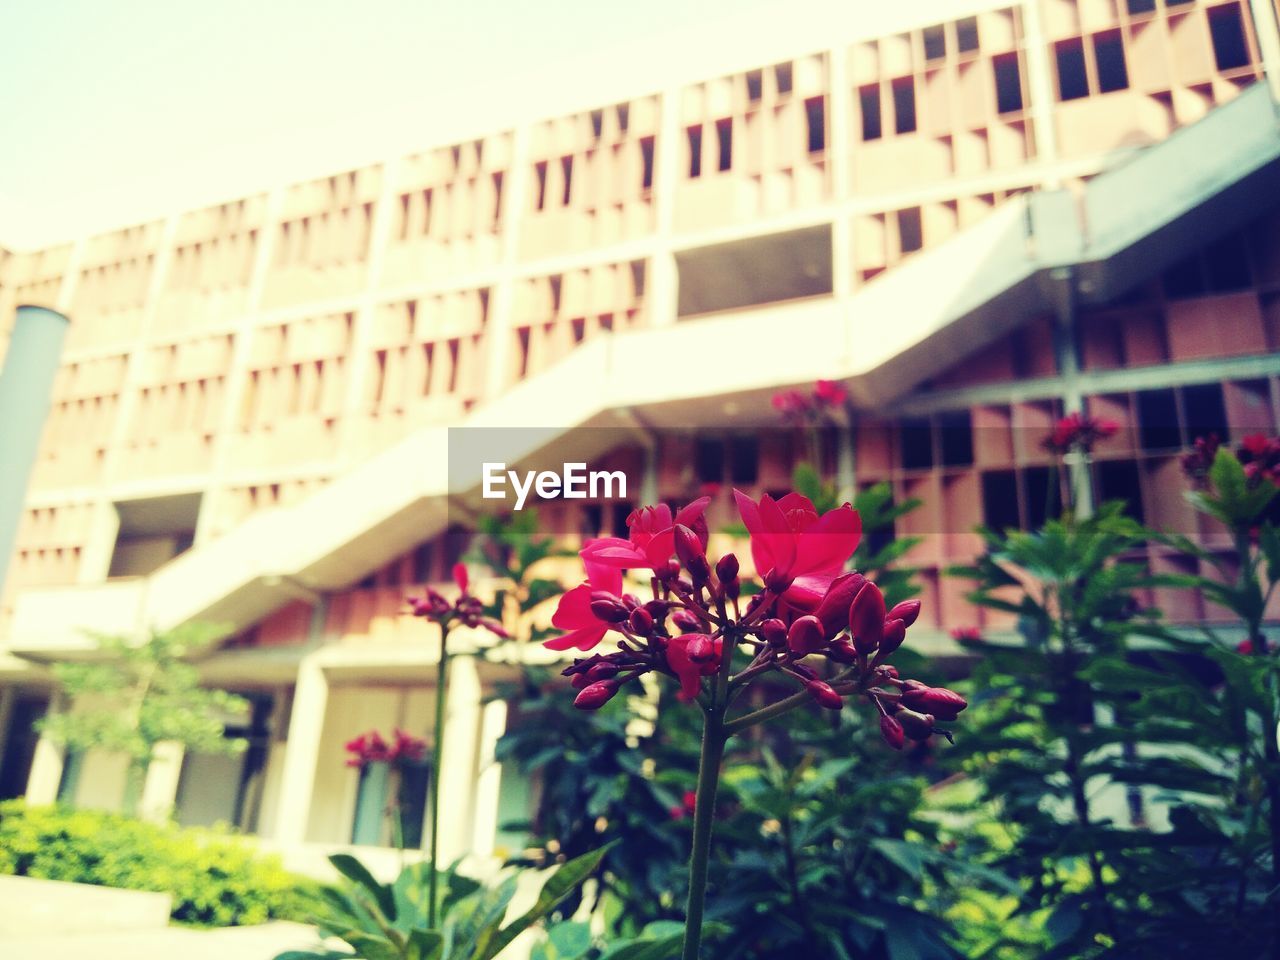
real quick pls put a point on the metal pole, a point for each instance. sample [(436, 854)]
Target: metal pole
[(35, 349)]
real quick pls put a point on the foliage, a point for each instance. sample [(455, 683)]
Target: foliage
[(381, 921), (141, 694), (215, 879), (1100, 715)]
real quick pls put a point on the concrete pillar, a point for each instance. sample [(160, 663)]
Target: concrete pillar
[(302, 749), (499, 334), (1040, 88), (839, 168), (662, 286), (160, 789), (1267, 30), (7, 696), (463, 720), (493, 723), (1066, 347), (46, 773), (26, 382)]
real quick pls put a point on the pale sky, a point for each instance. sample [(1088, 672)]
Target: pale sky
[(119, 111)]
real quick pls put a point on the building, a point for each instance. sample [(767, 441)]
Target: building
[(975, 215)]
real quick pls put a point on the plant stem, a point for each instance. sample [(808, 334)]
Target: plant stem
[(713, 742), (437, 752)]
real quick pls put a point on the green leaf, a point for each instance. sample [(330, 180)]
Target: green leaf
[(424, 945), (1229, 481), (370, 947), (358, 873), (558, 886), (662, 948), (571, 939)]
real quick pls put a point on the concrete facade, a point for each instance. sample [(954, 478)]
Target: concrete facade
[(975, 215)]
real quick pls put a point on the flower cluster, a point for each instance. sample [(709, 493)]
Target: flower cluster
[(826, 630), (466, 610), (1076, 431), (812, 408), (1257, 453), (371, 747)]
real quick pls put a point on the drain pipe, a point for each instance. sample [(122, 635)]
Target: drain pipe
[(35, 349), (1267, 30)]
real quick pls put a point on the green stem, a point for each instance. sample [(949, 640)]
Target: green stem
[(437, 753), (713, 742)]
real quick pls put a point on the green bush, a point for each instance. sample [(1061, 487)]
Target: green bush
[(215, 879)]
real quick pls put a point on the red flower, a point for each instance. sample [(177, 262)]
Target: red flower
[(963, 634), (830, 393), (688, 670), (460, 576), (1079, 431), (789, 540), (574, 612), (652, 539)]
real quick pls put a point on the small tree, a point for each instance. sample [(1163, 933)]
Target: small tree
[(138, 695)]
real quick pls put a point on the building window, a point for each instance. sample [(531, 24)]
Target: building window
[(782, 75), (1000, 499), (1158, 421), (1108, 54), (1205, 411), (916, 438), (1227, 30), (967, 34), (744, 459), (624, 116), (566, 171), (755, 85), (904, 104), (1142, 6), (869, 100), (646, 163), (1073, 79), (540, 170), (1226, 264), (709, 459), (597, 123), (955, 430), (695, 152), (497, 197), (815, 115), (724, 140), (910, 234), (935, 42), (1008, 77), (1119, 480)]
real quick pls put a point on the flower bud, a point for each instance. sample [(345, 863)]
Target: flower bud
[(805, 636), (833, 611), (686, 621), (601, 671), (778, 581), (774, 632), (917, 726), (641, 622), (667, 571), (691, 554), (610, 611), (944, 704), (700, 648), (890, 729), (596, 695), (895, 631), (824, 695), (907, 611), (727, 574), (630, 601), (460, 576), (842, 651), (866, 618), (657, 609)]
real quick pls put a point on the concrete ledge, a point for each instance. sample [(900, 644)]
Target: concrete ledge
[(31, 907)]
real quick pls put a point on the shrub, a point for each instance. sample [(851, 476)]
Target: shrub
[(216, 879)]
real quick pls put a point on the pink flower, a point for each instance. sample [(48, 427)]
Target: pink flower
[(1078, 431), (963, 634), (688, 670), (574, 612), (652, 539), (790, 541), (830, 393), (460, 577)]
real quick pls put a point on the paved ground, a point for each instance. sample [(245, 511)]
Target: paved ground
[(169, 943)]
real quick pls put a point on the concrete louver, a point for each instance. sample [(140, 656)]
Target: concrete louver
[(1148, 211)]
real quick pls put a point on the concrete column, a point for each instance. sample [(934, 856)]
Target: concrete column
[(499, 335), (26, 383), (1066, 348), (463, 721), (1040, 88), (302, 749), (662, 285), (839, 169), (493, 723), (1267, 30), (160, 789), (46, 773)]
